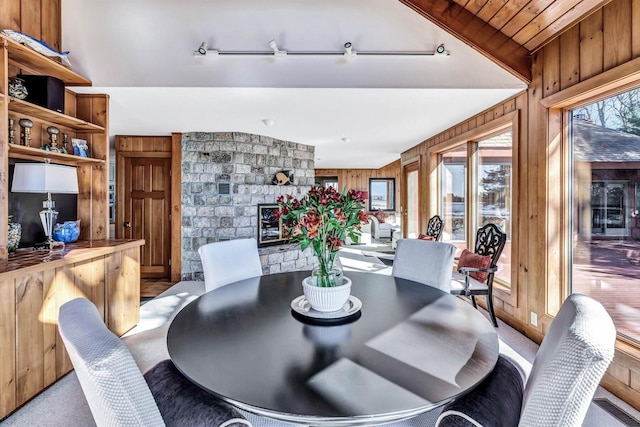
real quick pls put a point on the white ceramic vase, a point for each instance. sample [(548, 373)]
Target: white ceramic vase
[(326, 299)]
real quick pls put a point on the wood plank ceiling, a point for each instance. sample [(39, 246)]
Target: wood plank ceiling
[(506, 31)]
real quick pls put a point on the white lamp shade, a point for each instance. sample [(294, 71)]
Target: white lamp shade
[(44, 178)]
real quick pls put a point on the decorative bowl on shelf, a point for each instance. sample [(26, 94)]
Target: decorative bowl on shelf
[(67, 232)]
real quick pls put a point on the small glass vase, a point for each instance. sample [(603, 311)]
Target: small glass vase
[(328, 272)]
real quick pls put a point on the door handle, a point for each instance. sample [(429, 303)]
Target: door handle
[(127, 224)]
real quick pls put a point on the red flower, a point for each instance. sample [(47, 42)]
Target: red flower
[(322, 219)]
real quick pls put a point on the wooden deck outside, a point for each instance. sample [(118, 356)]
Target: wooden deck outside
[(609, 271)]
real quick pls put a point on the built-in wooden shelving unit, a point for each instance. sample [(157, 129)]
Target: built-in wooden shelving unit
[(29, 109), (35, 63), (30, 153)]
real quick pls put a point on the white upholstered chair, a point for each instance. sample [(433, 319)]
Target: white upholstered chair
[(380, 230), (229, 261), (116, 391), (425, 262), (571, 361)]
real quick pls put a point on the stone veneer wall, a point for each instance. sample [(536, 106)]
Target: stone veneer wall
[(248, 163)]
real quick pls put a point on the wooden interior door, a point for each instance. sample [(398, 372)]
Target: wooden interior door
[(410, 200), (147, 200)]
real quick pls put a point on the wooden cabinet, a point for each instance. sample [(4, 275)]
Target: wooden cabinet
[(33, 286), (85, 117)]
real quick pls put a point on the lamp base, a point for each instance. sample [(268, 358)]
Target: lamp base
[(41, 245), (52, 246)]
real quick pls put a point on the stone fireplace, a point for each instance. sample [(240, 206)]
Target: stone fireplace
[(225, 176)]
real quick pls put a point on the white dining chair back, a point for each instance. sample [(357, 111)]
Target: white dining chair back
[(115, 389), (423, 261), (229, 261), (573, 357)]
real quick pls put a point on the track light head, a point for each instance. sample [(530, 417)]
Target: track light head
[(440, 50), (202, 50), (348, 50), (276, 51), (274, 46)]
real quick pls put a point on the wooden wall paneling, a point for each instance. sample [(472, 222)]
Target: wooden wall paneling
[(4, 146), (521, 251), (176, 206), (70, 103), (123, 285), (10, 14), (89, 281), (570, 57), (30, 337), (551, 68), (617, 33), (94, 108), (51, 23), (635, 29), (591, 46), (137, 144), (65, 290), (536, 190), (48, 316), (38, 18), (84, 201), (8, 348), (30, 18)]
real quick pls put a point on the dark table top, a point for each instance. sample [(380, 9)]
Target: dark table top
[(412, 349)]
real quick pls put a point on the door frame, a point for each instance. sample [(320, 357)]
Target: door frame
[(176, 195), (625, 209), (411, 164)]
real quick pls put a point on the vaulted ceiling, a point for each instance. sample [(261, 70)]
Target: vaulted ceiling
[(141, 54), (506, 31)]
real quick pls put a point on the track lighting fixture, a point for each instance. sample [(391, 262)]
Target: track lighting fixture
[(276, 51), (440, 50), (202, 50), (347, 51)]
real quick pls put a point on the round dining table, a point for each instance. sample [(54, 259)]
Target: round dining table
[(409, 349)]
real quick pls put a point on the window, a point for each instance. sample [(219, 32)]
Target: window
[(490, 159), (453, 196), (327, 181), (494, 192), (605, 223), (382, 194)]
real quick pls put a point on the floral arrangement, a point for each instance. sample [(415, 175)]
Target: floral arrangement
[(322, 219)]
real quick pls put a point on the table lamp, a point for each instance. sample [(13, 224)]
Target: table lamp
[(46, 178)]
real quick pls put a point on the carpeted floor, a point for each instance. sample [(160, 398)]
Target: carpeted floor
[(63, 404)]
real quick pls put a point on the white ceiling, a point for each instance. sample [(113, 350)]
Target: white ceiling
[(141, 54)]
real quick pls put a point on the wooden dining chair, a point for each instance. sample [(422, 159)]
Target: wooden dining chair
[(477, 269), (430, 263), (229, 261), (117, 392), (573, 357)]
